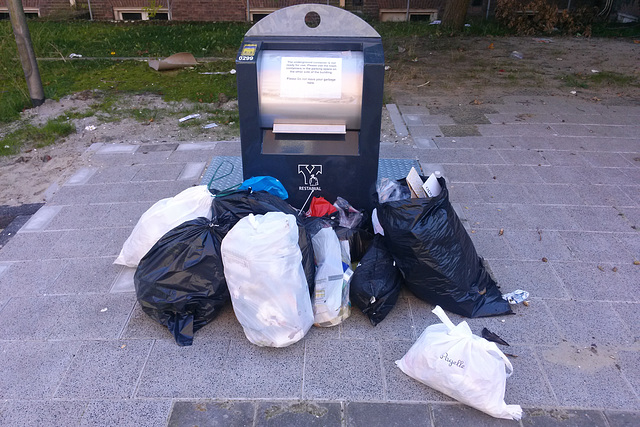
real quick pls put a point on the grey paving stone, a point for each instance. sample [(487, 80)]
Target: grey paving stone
[(30, 246), (550, 217), (564, 158), (562, 417), (594, 246), (88, 316), (40, 220), (536, 277), (445, 415), (607, 160), (340, 369), (400, 386), (518, 129), (631, 216), (534, 245), (622, 419), (612, 176), (81, 176), (459, 130), (527, 386), (114, 174), (463, 193), (424, 131), (124, 281), (42, 413), (301, 413), (515, 174), (413, 109), (87, 275), (467, 155), (28, 277), (553, 194), (630, 244), (523, 157), (630, 315), (252, 371), (564, 174), (89, 243), (212, 414), (585, 379), (396, 119), (105, 369), (77, 217), (607, 195), (567, 129), (141, 326), (468, 173), (582, 322), (196, 146), (194, 371), (116, 149), (387, 414), (117, 192), (627, 362), (192, 171), (502, 193), (33, 369), (150, 148), (127, 413), (160, 172), (425, 143), (396, 326), (124, 214), (489, 244), (494, 216), (413, 119), (65, 317), (589, 281)]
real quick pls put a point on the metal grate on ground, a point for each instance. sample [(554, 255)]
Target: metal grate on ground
[(226, 171)]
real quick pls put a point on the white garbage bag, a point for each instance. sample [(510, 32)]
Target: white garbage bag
[(331, 298), (162, 217), (461, 365), (263, 267)]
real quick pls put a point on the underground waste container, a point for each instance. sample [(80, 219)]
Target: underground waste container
[(310, 85)]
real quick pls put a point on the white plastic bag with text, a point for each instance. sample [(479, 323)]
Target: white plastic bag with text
[(470, 369)]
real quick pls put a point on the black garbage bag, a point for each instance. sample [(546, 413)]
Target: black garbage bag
[(231, 208), (437, 258), (376, 283), (180, 282)]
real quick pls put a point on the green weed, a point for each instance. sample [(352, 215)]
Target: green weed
[(35, 137)]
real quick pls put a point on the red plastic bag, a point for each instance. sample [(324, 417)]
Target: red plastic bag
[(321, 207)]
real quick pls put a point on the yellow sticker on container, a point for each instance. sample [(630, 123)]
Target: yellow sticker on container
[(249, 49)]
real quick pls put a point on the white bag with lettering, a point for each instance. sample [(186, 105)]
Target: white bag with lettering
[(470, 369)]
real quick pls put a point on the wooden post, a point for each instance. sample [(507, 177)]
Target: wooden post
[(25, 51)]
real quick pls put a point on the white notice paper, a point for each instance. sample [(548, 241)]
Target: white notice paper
[(311, 77)]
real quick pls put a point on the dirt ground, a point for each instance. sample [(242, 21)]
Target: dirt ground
[(454, 70)]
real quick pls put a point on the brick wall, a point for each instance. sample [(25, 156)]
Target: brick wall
[(208, 10)]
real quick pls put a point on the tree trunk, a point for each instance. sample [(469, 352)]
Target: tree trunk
[(455, 11), (25, 51)]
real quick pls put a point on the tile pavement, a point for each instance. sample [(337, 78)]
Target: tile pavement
[(559, 177)]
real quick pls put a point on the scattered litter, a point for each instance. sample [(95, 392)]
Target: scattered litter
[(401, 49), (490, 336), (189, 117), (634, 262), (210, 125), (476, 102), (6, 146), (90, 128), (544, 259), (103, 310), (511, 355), (232, 71), (542, 40), (436, 22), (467, 25), (501, 232), (573, 92), (595, 71), (123, 346), (75, 55), (415, 59), (558, 59), (178, 60), (424, 84), (45, 158), (516, 297), (516, 55), (387, 68), (218, 72), (525, 303), (601, 268), (490, 46)]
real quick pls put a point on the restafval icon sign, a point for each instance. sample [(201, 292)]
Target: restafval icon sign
[(310, 174)]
